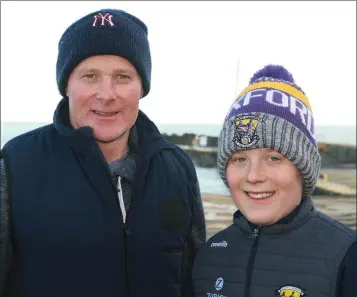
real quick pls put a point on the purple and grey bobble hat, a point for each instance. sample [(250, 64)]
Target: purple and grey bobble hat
[(272, 112)]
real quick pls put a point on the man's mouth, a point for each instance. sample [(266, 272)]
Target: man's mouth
[(101, 113)]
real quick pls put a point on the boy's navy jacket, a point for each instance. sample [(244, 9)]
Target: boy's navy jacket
[(67, 230), (306, 253)]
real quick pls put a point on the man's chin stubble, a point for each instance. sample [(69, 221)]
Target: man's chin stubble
[(105, 141)]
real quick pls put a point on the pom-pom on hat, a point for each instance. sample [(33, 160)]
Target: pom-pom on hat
[(272, 112)]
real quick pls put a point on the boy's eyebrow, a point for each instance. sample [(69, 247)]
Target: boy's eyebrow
[(271, 150), (274, 151), (238, 153)]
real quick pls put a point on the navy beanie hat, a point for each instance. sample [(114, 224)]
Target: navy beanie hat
[(104, 32)]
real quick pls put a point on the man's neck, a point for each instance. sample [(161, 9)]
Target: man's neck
[(116, 149)]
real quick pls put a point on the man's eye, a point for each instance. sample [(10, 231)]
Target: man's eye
[(89, 75), (123, 76)]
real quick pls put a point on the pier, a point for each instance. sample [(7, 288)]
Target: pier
[(331, 154)]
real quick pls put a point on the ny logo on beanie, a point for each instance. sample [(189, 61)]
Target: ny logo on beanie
[(103, 18)]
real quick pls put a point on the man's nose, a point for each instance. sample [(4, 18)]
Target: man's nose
[(106, 90)]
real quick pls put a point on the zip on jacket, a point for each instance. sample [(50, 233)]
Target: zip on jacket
[(119, 193), (124, 215), (252, 255), (154, 148)]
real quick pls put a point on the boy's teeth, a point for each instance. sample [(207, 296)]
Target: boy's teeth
[(260, 195)]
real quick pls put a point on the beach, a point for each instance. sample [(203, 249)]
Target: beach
[(219, 209)]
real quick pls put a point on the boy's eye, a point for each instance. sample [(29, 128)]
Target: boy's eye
[(239, 159), (274, 158)]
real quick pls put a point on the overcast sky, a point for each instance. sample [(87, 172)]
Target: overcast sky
[(195, 49)]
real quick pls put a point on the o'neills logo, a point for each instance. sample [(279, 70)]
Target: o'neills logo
[(219, 244)]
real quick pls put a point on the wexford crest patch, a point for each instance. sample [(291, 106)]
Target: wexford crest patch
[(245, 130), (290, 291)]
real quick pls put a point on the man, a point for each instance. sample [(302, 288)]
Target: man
[(98, 203)]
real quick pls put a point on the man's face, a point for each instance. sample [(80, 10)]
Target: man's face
[(264, 185), (104, 93)]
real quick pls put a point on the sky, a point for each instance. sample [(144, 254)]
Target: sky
[(203, 55)]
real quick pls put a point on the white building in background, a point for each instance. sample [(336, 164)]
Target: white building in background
[(202, 141)]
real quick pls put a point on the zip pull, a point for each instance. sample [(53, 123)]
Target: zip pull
[(125, 228)]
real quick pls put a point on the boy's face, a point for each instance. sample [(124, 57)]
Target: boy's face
[(264, 185)]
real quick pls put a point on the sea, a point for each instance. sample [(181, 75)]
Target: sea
[(209, 179)]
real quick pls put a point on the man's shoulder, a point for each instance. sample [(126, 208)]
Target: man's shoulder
[(178, 157), (24, 137)]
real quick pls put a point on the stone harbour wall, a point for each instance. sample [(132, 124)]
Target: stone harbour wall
[(332, 155)]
